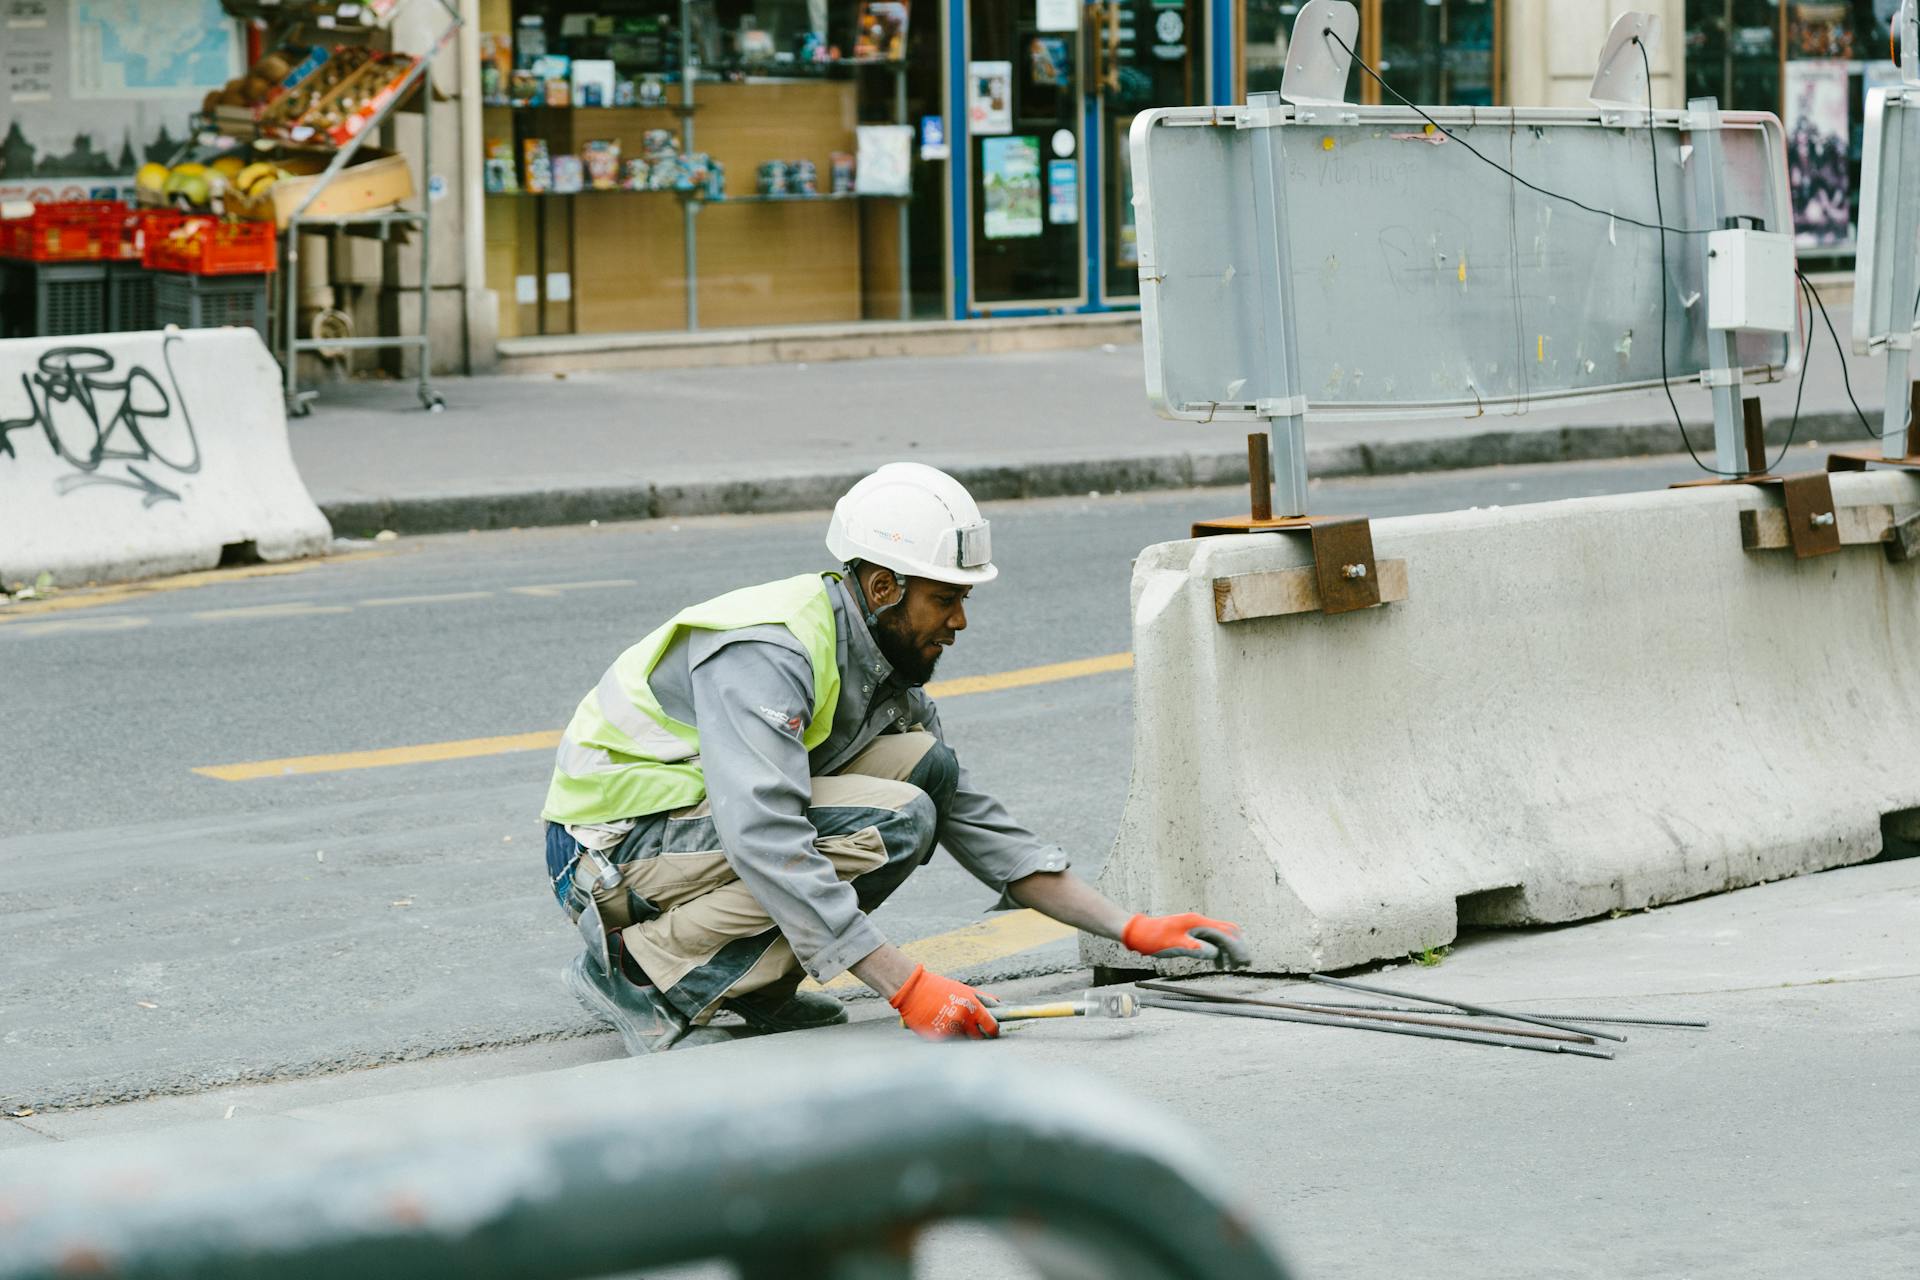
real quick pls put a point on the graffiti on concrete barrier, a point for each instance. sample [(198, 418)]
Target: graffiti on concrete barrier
[(113, 427)]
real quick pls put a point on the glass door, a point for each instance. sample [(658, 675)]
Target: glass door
[(1146, 53), (1025, 191)]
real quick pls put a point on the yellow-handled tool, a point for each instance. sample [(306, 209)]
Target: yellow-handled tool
[(1093, 1004)]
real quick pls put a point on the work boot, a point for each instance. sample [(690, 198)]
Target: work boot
[(642, 1016), (784, 1007)]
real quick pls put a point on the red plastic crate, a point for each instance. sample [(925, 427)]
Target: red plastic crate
[(207, 246), (65, 231), (141, 227)]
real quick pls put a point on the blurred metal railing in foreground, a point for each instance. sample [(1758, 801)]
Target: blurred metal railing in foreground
[(809, 1166)]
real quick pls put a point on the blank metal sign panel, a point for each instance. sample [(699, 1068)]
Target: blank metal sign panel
[(1425, 281), (1889, 214)]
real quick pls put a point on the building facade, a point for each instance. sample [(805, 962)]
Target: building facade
[(634, 171)]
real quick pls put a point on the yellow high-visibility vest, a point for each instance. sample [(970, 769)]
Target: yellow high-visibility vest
[(623, 756)]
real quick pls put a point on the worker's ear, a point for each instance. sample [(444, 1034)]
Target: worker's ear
[(884, 587)]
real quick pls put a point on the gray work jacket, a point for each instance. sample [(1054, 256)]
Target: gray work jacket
[(743, 690)]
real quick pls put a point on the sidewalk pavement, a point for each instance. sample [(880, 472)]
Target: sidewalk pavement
[(1779, 1141), (565, 449)]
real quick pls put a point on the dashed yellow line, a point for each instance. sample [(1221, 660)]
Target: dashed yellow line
[(1004, 935), (95, 597), (445, 597), (108, 622), (284, 609), (547, 740), (555, 588), (17, 612), (1025, 676)]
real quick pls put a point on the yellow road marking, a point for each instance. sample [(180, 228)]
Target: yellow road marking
[(447, 597), (286, 609), (545, 739), (1004, 935), (93, 598), (1025, 676), (555, 588), (548, 739), (111, 622)]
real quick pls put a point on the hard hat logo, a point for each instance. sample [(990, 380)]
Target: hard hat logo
[(917, 521)]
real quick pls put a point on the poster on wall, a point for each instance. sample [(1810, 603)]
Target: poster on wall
[(990, 97), (1817, 121), (92, 89), (1126, 248), (1057, 15), (1063, 192), (1047, 63), (1010, 183), (883, 160)]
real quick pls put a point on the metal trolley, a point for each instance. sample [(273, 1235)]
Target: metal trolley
[(385, 225)]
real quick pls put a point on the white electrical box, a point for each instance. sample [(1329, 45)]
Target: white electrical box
[(1750, 281)]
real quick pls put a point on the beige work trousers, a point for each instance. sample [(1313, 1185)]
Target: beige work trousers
[(711, 938)]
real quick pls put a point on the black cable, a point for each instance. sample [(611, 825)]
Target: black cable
[(1845, 380), (1482, 156), (1660, 216)]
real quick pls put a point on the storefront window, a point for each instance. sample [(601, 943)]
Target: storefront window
[(1267, 26), (657, 165), (1433, 51), (1438, 51), (1814, 64)]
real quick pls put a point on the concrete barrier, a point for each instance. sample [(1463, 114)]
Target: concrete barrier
[(1580, 707), (131, 454)]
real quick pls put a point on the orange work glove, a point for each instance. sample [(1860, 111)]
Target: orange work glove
[(1187, 936), (937, 1008)]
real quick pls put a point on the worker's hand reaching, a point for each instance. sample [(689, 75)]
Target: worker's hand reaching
[(1187, 936), (937, 1008)]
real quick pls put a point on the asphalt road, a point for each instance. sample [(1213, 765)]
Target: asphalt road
[(168, 931)]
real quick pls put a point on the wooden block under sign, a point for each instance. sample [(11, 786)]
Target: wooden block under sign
[(1766, 529), (1279, 592)]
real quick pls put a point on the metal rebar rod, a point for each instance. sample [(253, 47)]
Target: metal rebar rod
[(1412, 1017), (1483, 1010), (1689, 1023), (1696, 1024), (1390, 1028)]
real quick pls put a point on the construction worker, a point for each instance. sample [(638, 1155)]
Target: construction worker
[(746, 784)]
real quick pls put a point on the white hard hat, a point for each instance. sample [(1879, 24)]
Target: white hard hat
[(916, 520)]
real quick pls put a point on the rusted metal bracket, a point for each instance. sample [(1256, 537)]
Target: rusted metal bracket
[(1345, 575), (1809, 524), (1767, 529), (1861, 459)]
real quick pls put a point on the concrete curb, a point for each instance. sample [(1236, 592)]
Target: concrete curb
[(355, 516)]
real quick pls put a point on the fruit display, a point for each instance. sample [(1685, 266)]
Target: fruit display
[(322, 83), (227, 183), (261, 84), (189, 183)]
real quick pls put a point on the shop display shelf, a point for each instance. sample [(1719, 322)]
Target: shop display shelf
[(597, 191), (825, 197), (674, 108), (436, 32)]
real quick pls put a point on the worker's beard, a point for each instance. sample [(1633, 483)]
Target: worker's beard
[(902, 652)]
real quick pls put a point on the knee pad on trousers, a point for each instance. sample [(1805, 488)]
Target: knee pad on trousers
[(937, 774)]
